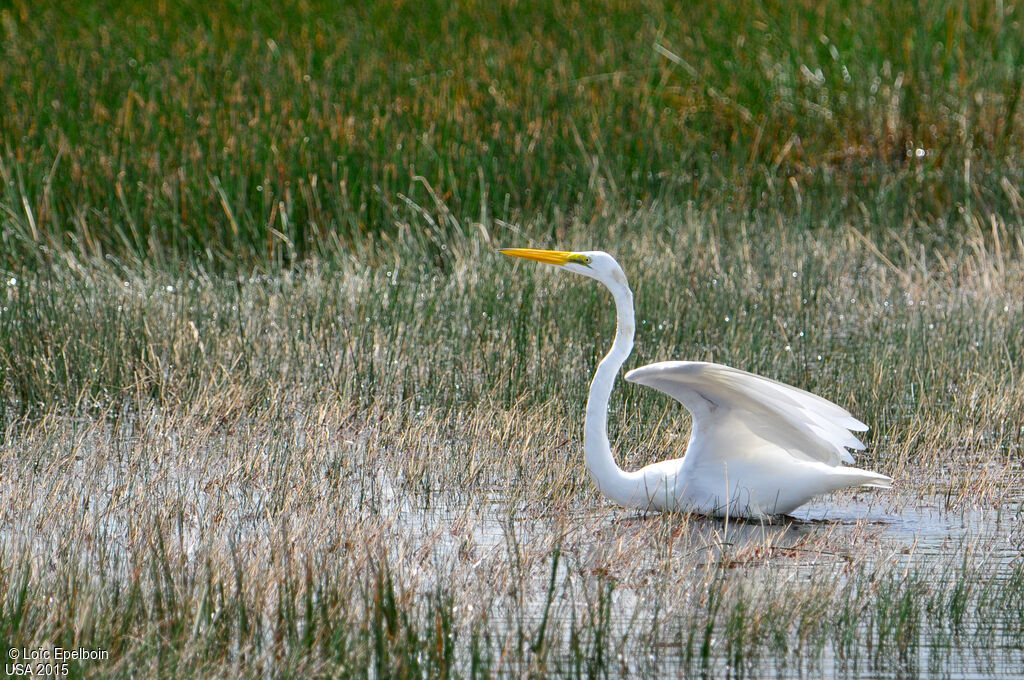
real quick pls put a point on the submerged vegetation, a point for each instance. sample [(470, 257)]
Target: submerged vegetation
[(270, 405)]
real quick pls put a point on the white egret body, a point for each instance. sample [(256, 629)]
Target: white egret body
[(757, 447)]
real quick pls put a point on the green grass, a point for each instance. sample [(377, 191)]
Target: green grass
[(236, 133), (271, 404)]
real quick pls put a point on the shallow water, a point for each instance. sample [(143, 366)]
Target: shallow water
[(859, 532), (923, 532), (497, 552)]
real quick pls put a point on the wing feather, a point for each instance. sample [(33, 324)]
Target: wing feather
[(804, 424)]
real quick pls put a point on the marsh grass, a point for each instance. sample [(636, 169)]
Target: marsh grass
[(234, 133), (272, 405), (364, 470)]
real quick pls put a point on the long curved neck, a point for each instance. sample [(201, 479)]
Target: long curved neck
[(613, 481)]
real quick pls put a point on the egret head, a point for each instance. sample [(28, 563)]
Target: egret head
[(596, 264)]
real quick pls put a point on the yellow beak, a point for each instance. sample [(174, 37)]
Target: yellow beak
[(546, 256)]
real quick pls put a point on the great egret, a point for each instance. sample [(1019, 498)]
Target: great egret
[(757, 447)]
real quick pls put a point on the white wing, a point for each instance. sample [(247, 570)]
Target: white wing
[(803, 424)]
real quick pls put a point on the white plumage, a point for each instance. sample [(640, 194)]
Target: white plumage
[(757, 447), (772, 446)]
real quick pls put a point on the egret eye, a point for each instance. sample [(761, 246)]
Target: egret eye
[(585, 260)]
